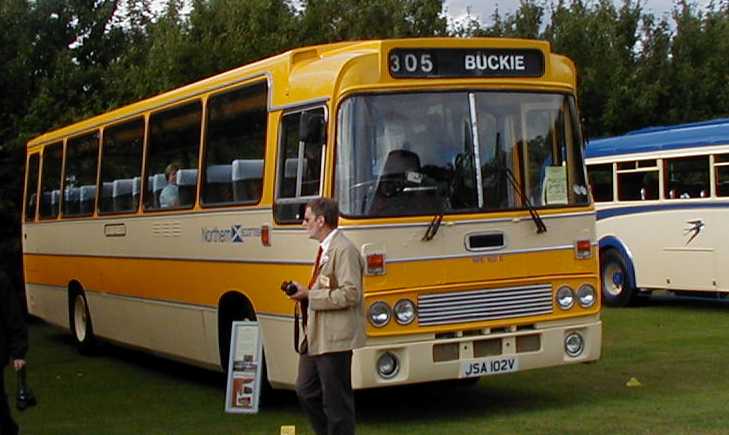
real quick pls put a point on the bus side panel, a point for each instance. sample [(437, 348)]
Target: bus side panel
[(48, 302), (667, 252)]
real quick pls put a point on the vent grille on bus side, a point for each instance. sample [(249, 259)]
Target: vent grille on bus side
[(487, 304)]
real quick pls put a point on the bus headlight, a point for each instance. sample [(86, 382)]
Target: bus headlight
[(379, 314), (586, 296), (565, 298), (574, 344), (404, 311), (388, 365)]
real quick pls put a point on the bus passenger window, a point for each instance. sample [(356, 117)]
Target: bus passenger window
[(31, 187), (686, 177), (82, 154), (638, 186), (300, 161), (173, 149), (121, 166), (235, 146), (601, 181), (50, 198)]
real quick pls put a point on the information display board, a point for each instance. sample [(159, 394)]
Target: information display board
[(244, 368)]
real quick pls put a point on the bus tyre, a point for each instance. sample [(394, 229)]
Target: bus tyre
[(613, 275), (83, 332)]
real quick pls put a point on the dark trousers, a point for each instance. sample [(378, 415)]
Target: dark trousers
[(324, 387), (7, 424)]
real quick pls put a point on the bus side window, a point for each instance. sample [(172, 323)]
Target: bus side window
[(601, 182), (50, 197), (172, 156), (235, 146), (82, 155), (121, 166), (686, 177), (300, 163), (31, 187)]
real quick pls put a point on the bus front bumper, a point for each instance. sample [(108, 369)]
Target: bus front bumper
[(407, 360)]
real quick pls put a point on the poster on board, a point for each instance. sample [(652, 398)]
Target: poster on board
[(244, 368)]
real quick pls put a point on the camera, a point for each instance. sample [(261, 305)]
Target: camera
[(289, 288), (25, 397)]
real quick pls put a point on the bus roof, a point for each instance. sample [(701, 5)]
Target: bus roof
[(696, 134), (317, 73)]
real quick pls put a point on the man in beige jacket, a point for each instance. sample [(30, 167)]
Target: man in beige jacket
[(335, 324)]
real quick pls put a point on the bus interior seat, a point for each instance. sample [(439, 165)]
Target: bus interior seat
[(50, 202), (107, 190), (122, 194), (136, 190), (393, 179), (87, 198), (187, 182), (218, 183), (247, 179), (71, 201), (158, 182)]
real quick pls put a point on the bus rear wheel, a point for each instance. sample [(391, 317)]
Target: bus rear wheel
[(616, 290), (80, 319)]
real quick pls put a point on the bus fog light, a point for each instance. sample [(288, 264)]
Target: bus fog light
[(388, 365), (379, 314), (565, 298), (574, 344), (404, 311), (586, 296)]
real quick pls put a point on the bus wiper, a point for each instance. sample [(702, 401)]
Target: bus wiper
[(433, 227), (541, 228), (437, 219)]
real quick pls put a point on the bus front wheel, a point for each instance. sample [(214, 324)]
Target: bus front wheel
[(83, 332), (616, 289)]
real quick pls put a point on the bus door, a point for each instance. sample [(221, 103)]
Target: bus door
[(689, 236)]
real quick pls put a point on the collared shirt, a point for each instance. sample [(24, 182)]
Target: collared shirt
[(327, 241)]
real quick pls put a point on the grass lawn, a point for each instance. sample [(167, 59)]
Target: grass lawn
[(677, 349)]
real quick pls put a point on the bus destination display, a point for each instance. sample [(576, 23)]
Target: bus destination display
[(435, 63)]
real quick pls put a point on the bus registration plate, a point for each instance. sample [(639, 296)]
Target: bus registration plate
[(488, 366)]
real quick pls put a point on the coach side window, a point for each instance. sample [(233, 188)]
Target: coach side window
[(637, 181), (121, 167), (686, 177), (235, 146), (300, 160), (50, 197), (31, 187), (173, 150), (721, 168), (79, 186), (601, 181)]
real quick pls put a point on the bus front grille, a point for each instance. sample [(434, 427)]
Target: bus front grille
[(486, 304)]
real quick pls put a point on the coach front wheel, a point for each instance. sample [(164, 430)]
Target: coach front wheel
[(616, 290), (81, 328)]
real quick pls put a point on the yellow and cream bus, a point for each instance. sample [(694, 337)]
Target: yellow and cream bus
[(458, 166), (661, 196)]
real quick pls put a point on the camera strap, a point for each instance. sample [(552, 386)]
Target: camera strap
[(302, 346)]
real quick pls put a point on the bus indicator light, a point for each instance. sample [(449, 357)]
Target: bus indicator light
[(266, 235), (376, 264), (583, 249)]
